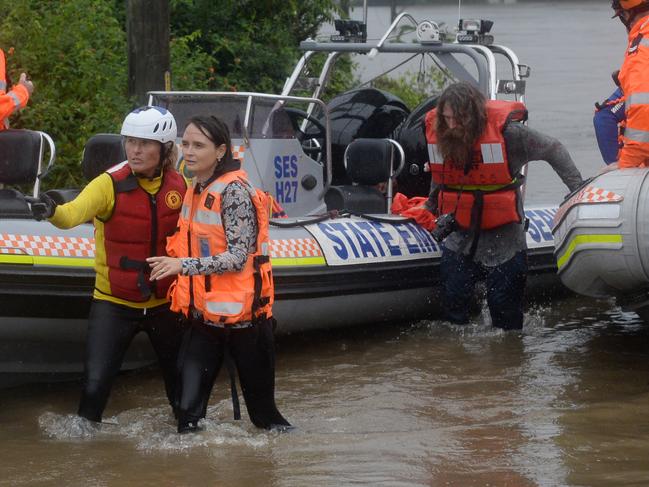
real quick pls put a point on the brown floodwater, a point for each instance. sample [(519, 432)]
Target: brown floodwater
[(565, 402)]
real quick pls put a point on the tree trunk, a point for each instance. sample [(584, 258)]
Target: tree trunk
[(147, 30)]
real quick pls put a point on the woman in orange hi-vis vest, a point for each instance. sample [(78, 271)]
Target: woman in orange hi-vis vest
[(225, 284), (634, 81), (16, 98)]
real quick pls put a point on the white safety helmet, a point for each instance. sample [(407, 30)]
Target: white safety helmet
[(150, 122)]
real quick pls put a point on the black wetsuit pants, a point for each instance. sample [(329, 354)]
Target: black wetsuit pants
[(111, 328), (253, 353), (505, 288)]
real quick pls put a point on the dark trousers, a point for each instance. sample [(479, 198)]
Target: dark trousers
[(505, 288), (111, 328), (253, 352)]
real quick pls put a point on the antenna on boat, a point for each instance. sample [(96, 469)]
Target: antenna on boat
[(365, 12), (459, 10)]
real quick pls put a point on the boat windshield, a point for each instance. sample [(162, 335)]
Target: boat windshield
[(267, 119)]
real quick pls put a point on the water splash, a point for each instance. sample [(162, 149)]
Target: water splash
[(67, 426), (154, 429)]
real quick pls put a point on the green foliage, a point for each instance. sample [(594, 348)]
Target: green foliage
[(79, 73), (252, 44), (191, 67), (75, 51), (412, 88)]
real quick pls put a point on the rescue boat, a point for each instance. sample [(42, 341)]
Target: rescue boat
[(340, 257), (601, 235)]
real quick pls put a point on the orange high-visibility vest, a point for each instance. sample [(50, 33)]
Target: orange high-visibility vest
[(12, 101), (634, 81), (231, 297), (489, 178)]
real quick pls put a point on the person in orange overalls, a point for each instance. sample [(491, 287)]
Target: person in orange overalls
[(634, 82), (16, 98)]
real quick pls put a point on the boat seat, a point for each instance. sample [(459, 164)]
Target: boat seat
[(20, 156), (102, 151), (368, 163)]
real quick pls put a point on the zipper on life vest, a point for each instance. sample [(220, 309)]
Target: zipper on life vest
[(154, 233)]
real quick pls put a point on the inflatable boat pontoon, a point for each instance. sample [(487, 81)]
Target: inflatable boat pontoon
[(339, 258)]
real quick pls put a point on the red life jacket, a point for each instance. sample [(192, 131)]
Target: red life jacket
[(138, 228), (487, 196)]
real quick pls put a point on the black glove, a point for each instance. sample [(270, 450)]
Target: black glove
[(42, 207)]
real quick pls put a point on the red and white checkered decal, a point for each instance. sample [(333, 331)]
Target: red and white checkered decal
[(588, 194), (47, 246), (295, 247), (597, 195), (238, 151)]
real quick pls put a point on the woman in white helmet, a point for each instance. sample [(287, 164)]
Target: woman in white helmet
[(134, 207)]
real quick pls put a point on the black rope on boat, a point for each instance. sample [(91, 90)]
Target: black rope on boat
[(332, 215), (278, 222)]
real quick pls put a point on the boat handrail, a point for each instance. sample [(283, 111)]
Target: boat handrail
[(393, 26), (249, 103), (480, 59), (50, 163)]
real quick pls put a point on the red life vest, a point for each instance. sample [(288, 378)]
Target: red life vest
[(138, 228), (231, 297), (488, 192)]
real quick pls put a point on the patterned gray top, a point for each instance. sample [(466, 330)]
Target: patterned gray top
[(523, 145), (240, 223)]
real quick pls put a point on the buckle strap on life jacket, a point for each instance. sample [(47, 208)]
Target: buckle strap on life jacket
[(485, 188), (476, 221), (259, 301), (232, 373), (140, 266)]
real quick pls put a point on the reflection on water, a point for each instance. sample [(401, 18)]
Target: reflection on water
[(562, 403)]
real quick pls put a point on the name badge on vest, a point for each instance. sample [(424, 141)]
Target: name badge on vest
[(209, 201)]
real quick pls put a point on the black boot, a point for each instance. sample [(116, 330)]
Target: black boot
[(188, 427)]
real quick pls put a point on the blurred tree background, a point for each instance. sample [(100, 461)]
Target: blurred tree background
[(75, 52)]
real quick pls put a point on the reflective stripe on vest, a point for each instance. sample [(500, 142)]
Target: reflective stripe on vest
[(637, 99), (434, 156), (492, 153), (636, 134), (219, 308), (16, 100), (208, 217), (216, 187), (3, 85)]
